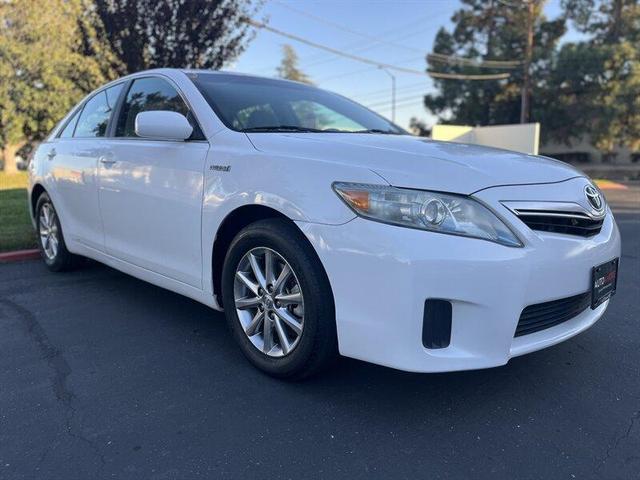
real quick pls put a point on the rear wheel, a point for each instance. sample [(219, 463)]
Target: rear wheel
[(50, 238), (278, 301)]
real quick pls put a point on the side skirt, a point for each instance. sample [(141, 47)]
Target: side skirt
[(146, 275)]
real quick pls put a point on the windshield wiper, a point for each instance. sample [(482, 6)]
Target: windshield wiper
[(296, 128), (376, 130), (280, 128)]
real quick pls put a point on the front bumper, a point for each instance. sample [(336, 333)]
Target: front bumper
[(381, 276)]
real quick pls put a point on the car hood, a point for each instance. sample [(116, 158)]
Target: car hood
[(415, 162)]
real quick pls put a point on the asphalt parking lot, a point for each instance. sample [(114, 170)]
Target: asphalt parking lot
[(104, 376)]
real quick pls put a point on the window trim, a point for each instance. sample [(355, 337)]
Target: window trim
[(115, 113), (111, 129)]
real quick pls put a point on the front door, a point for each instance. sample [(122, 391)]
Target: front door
[(151, 190)]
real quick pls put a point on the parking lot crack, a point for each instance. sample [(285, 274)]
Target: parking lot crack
[(613, 447), (61, 371), (49, 352)]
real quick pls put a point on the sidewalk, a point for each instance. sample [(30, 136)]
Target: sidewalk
[(624, 201)]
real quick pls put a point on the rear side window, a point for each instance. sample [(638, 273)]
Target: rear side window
[(149, 94), (95, 115), (67, 132)]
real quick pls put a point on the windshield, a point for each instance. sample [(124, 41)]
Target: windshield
[(250, 104)]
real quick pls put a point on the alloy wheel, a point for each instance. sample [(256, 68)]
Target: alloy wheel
[(269, 302), (48, 230)]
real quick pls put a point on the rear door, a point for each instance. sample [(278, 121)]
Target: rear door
[(74, 158), (151, 190)]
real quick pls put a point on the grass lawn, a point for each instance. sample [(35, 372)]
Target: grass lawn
[(16, 232)]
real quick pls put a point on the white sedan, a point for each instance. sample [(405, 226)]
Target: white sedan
[(322, 228)]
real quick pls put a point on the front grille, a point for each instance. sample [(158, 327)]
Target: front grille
[(570, 223), (549, 314)]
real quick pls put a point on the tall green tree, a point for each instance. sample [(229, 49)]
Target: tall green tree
[(594, 88), (45, 68), (484, 31), (147, 34), (289, 68)]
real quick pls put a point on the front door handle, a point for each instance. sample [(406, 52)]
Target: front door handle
[(107, 161), (52, 153)]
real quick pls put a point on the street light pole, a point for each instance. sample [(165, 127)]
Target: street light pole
[(393, 93)]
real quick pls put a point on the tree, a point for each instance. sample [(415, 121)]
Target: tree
[(419, 127), (487, 31), (595, 84), (45, 68), (147, 34), (288, 67)]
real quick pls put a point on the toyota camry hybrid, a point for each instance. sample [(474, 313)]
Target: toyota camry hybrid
[(321, 228)]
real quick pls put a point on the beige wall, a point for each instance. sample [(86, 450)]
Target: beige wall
[(523, 138)]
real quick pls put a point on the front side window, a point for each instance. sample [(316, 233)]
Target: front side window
[(261, 105), (95, 115), (149, 94)]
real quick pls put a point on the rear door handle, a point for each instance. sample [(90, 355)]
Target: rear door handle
[(107, 161)]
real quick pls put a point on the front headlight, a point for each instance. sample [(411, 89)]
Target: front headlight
[(432, 211)]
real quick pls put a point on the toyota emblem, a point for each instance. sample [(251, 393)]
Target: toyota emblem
[(594, 198)]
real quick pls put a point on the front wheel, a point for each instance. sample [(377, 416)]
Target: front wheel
[(278, 301)]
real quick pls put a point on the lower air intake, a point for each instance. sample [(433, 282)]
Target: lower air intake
[(549, 314)]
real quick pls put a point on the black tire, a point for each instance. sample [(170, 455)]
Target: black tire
[(317, 346), (63, 260)]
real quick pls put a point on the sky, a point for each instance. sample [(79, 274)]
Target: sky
[(409, 25)]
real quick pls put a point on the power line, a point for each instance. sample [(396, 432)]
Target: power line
[(377, 93), (369, 61), (401, 99), (373, 94), (343, 28), (456, 76), (377, 41), (354, 72), (401, 106), (344, 74), (328, 59), (321, 58), (331, 49)]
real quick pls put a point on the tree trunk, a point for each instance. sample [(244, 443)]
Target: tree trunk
[(526, 82), (9, 156)]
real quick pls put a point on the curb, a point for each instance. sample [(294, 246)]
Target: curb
[(19, 255)]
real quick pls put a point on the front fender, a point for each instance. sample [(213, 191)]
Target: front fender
[(236, 174)]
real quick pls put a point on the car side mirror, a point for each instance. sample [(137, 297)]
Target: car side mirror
[(163, 125)]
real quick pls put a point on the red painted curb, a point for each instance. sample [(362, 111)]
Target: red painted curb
[(19, 255)]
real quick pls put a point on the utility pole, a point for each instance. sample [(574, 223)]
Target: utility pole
[(393, 93), (526, 77)]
